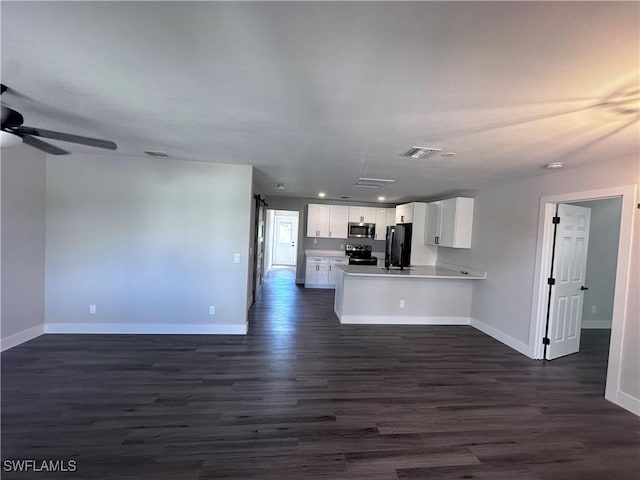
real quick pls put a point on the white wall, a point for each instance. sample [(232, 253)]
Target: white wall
[(602, 258), (22, 245), (150, 242), (504, 244)]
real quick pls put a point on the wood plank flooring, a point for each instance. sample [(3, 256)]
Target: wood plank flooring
[(303, 397)]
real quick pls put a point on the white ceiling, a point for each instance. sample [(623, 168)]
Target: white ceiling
[(316, 95)]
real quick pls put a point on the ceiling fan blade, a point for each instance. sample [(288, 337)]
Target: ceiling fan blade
[(10, 118), (44, 146), (66, 137)]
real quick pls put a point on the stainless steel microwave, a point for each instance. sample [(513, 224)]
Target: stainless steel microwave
[(362, 230)]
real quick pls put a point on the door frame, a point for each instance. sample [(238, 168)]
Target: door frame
[(295, 220), (544, 247), (272, 213)]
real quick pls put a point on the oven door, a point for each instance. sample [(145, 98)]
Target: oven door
[(363, 261)]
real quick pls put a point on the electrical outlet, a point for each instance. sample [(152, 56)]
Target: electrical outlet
[(315, 241), (236, 258), (212, 310), (401, 303), (594, 309), (92, 309)]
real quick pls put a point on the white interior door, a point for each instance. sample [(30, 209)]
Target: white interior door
[(569, 267), (286, 234)]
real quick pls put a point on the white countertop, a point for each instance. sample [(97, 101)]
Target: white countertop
[(325, 253), (418, 271)]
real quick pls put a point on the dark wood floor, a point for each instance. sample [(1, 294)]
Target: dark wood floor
[(302, 397)]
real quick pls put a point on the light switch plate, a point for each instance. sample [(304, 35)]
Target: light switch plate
[(236, 258)]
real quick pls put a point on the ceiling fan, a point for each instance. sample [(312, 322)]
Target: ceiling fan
[(13, 131)]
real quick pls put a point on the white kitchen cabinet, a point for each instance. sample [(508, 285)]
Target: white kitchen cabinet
[(381, 223), (333, 262), (338, 221), (404, 213), (391, 216), (318, 218), (450, 223), (321, 270), (317, 272), (327, 221), (362, 214), (432, 229)]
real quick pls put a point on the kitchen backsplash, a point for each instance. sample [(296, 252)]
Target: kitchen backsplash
[(339, 243)]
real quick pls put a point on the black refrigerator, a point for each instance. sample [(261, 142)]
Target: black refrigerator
[(397, 252)]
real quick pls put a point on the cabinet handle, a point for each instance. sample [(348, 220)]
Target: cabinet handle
[(316, 268), (401, 218), (361, 219), (437, 240), (329, 232), (317, 233)]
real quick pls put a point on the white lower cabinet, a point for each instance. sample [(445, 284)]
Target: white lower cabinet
[(333, 262), (317, 272), (321, 271)]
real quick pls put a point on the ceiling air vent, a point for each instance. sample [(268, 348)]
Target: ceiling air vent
[(372, 182), (156, 153), (420, 152)]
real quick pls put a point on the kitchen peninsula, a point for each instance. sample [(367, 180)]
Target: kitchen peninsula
[(418, 295)]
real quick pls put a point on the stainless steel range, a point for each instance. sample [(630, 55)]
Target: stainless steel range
[(360, 255)]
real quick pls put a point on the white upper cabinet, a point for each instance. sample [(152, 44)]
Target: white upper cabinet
[(391, 216), (327, 221), (449, 223), (318, 217), (338, 221), (332, 221), (432, 229), (362, 214), (404, 213), (381, 223)]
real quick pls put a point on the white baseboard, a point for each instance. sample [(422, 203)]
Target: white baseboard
[(628, 402), (148, 328), (599, 324), (402, 320), (21, 337), (502, 337)]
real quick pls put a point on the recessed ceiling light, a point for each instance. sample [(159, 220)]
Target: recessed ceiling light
[(381, 198), (420, 152), (554, 165), (280, 186), (322, 194), (447, 155)]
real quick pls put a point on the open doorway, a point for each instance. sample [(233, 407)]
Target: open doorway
[(542, 287), (282, 238)]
